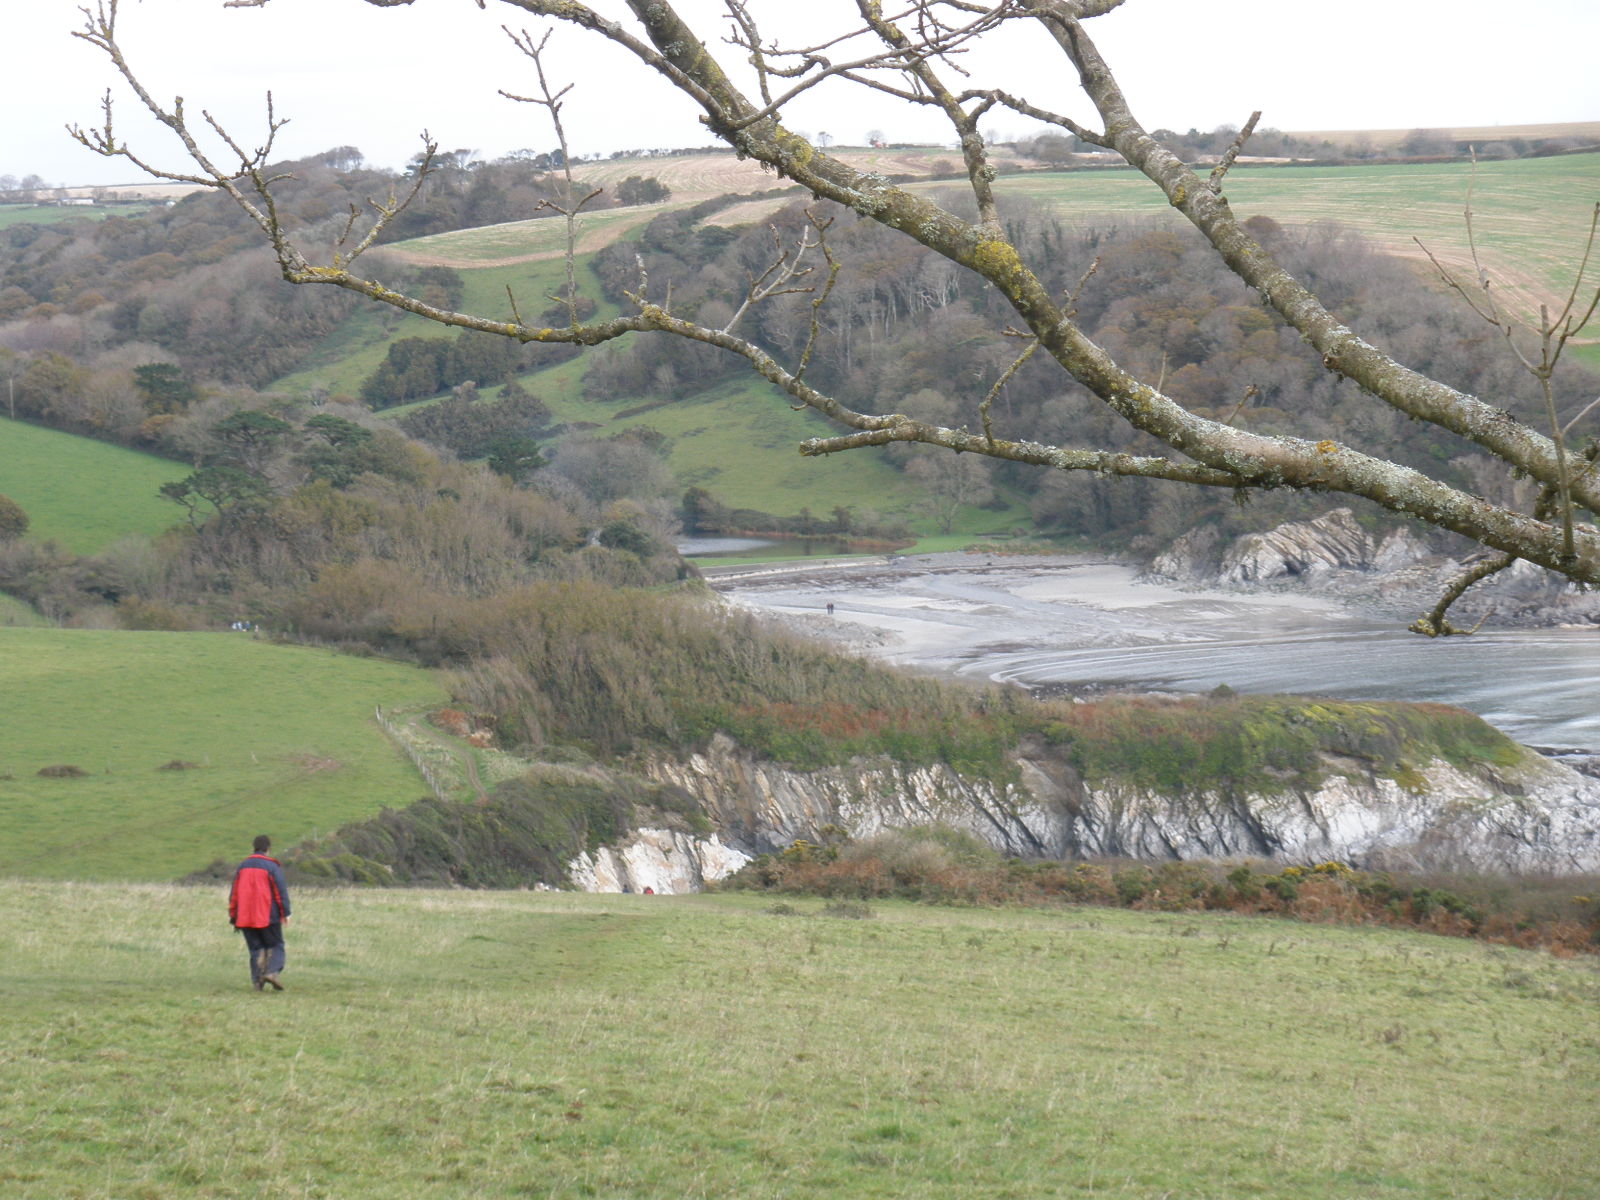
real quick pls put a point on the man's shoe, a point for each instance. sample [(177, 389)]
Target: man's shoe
[(272, 978), (258, 984)]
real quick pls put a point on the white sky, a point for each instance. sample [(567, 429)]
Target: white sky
[(349, 74)]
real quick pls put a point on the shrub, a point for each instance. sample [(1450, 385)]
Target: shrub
[(13, 521), (853, 910), (1263, 743), (1131, 884)]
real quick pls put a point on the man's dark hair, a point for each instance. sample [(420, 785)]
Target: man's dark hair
[(262, 844)]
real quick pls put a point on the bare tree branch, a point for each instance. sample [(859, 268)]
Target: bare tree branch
[(1232, 153), (918, 48)]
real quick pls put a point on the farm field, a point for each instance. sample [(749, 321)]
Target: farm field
[(691, 178), (277, 739), (545, 1044), (52, 214), (1531, 216), (83, 493), (1587, 132)]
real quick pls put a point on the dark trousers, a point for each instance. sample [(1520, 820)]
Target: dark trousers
[(269, 939)]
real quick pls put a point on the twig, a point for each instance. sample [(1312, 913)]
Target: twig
[(1232, 153)]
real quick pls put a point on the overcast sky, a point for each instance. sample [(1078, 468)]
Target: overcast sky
[(349, 74)]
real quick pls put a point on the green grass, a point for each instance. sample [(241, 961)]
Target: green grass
[(740, 441), (545, 237), (509, 1044), (283, 737), (50, 214), (83, 493), (1588, 355)]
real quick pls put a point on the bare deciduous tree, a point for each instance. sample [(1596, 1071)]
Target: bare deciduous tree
[(919, 54)]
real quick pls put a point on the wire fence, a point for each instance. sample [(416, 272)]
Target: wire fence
[(430, 774)]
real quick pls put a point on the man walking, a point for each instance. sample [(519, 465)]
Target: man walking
[(258, 905)]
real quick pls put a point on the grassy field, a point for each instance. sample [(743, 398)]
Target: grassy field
[(1531, 216), (526, 241), (83, 493), (280, 738), (535, 1044), (739, 441), (713, 433), (54, 214)]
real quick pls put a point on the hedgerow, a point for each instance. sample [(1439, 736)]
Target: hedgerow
[(942, 866)]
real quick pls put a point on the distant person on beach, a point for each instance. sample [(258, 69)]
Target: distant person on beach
[(258, 907)]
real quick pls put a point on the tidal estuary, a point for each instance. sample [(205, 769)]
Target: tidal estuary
[(1083, 625)]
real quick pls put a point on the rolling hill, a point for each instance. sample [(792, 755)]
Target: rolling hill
[(1530, 215), (1530, 219)]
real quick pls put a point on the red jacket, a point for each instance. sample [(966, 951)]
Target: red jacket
[(259, 897)]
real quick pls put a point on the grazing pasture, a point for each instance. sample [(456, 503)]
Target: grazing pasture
[(188, 745), (83, 493), (510, 1044)]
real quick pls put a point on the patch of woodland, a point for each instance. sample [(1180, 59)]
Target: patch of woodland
[(415, 368), (86, 302), (293, 495), (907, 331), (938, 865)]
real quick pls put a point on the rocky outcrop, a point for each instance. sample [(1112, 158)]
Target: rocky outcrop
[(1397, 573), (664, 861), (1304, 548), (1539, 817), (1333, 542)]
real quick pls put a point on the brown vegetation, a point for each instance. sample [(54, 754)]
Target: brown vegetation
[(941, 866)]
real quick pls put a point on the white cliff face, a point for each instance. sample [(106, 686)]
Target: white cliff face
[(1541, 817), (664, 861)]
